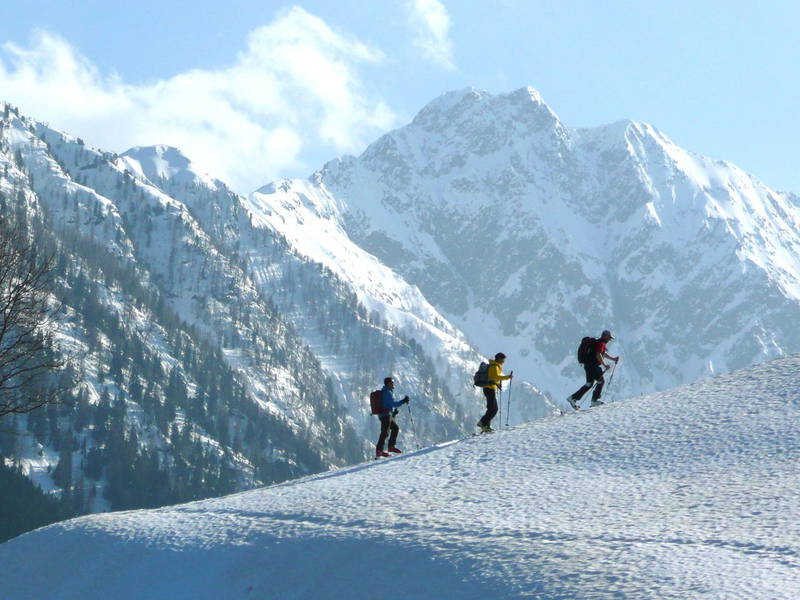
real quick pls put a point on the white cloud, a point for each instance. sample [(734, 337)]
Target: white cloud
[(295, 87), (431, 23)]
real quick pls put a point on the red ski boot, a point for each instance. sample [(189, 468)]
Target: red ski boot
[(395, 450), (381, 453)]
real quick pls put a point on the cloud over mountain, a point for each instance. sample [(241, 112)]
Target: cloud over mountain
[(296, 82), (431, 23)]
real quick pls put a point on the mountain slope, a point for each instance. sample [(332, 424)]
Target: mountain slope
[(168, 339), (295, 209), (528, 234), (686, 493), (187, 329), (361, 319), (213, 352)]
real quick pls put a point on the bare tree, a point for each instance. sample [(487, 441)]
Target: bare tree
[(28, 362)]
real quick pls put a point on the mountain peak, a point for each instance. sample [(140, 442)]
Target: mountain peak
[(522, 104), (453, 98), (171, 154), (527, 93), (470, 122), (634, 136), (625, 128), (164, 162)]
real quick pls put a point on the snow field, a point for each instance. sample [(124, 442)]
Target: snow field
[(691, 493)]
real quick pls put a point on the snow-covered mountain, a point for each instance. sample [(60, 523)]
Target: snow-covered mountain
[(223, 341), (690, 493), (212, 355), (356, 288), (169, 339), (528, 234)]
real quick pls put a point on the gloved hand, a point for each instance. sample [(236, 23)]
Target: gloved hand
[(394, 412), (406, 400)]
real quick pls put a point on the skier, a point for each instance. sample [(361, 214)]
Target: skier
[(495, 377), (595, 366), (387, 419)]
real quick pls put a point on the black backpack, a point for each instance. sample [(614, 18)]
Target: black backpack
[(376, 403), (585, 349), (481, 376)]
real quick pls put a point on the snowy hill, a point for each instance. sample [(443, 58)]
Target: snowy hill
[(528, 234), (689, 493)]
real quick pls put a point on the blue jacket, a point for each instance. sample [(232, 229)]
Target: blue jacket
[(388, 399)]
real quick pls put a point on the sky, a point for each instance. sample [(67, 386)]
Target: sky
[(256, 90)]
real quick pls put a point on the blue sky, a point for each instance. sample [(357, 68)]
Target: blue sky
[(257, 90)]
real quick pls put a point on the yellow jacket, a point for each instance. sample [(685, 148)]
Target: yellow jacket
[(495, 375)]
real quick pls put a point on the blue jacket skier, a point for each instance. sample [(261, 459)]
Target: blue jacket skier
[(387, 419)]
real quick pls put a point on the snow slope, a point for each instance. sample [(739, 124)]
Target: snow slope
[(690, 493)]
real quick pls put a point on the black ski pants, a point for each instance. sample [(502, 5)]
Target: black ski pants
[(387, 423), (491, 407), (594, 372)]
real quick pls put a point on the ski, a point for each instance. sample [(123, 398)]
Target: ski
[(580, 409), (391, 456)]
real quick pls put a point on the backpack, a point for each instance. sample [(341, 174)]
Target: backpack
[(481, 376), (585, 349), (376, 403)]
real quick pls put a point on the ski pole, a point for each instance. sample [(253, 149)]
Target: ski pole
[(413, 428), (508, 406), (500, 410), (610, 379)]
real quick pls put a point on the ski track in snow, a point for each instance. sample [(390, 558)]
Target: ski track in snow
[(691, 493)]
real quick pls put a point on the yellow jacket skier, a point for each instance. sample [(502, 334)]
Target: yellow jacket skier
[(495, 377)]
